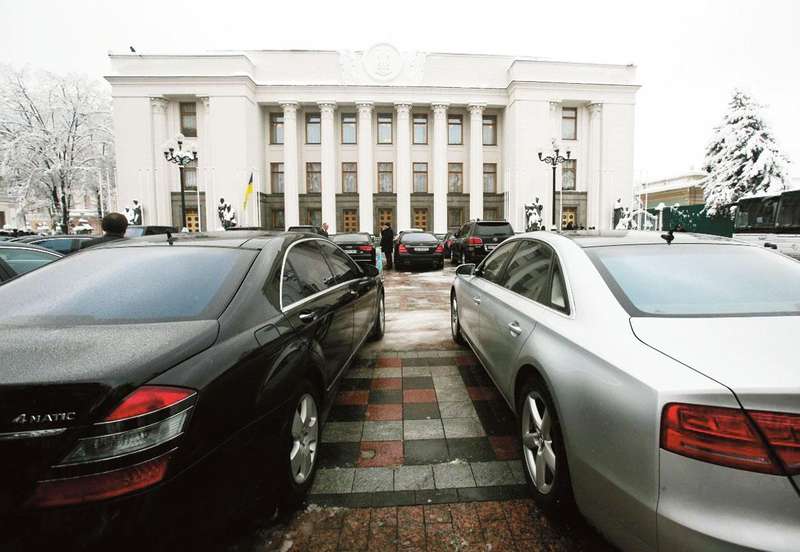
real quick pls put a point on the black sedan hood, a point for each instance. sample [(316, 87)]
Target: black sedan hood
[(92, 362)]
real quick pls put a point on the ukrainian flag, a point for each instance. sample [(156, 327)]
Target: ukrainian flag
[(248, 191)]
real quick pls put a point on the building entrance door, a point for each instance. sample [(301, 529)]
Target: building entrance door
[(385, 217), (349, 220), (421, 218), (569, 218), (192, 220)]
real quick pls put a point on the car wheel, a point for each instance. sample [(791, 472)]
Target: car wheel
[(455, 322), (379, 327), (543, 452), (301, 438)]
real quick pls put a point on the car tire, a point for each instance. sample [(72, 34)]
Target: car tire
[(379, 326), (544, 456), (455, 321), (301, 437)]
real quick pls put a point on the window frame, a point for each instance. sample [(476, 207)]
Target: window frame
[(414, 123), (358, 273), (461, 180), (378, 128), (415, 172), (574, 170), (299, 302), (460, 125), (574, 119), (484, 173), (342, 124), (272, 173), (309, 172), (493, 127), (514, 245), (389, 172), (274, 124), (353, 172), (181, 114), (318, 123)]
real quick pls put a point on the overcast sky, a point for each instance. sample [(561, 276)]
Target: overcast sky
[(690, 54)]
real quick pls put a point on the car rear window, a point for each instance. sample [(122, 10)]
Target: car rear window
[(419, 237), (134, 232), (493, 229), (350, 238), (127, 285), (699, 280)]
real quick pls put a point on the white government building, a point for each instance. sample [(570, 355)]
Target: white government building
[(355, 139)]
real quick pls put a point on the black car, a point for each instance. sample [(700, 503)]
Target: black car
[(148, 230), (20, 258), (476, 239), (184, 374), (308, 228), (64, 244), (358, 245), (419, 248)]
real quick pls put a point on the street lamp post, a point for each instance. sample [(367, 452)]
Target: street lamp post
[(554, 160), (182, 159)]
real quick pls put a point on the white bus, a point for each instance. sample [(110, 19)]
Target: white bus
[(773, 221)]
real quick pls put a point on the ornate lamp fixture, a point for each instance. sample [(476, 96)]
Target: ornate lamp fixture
[(182, 158), (554, 160)]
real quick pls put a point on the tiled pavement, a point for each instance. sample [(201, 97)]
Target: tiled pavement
[(419, 451)]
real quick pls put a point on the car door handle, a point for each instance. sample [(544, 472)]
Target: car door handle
[(477, 300), (307, 316), (514, 328)]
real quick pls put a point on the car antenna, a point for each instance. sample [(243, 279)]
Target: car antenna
[(170, 239), (669, 236)]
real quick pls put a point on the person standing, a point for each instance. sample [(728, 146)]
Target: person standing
[(387, 244), (324, 229), (113, 225)]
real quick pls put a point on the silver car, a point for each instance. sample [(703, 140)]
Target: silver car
[(655, 379)]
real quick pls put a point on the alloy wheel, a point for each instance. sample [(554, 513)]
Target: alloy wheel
[(537, 442), (454, 317), (305, 434), (381, 314)]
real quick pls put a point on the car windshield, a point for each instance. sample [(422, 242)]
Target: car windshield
[(493, 229), (350, 238), (134, 232), (419, 237), (127, 285), (700, 280)]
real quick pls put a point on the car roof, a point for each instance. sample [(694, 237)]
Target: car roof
[(246, 239), (604, 238), (30, 246)]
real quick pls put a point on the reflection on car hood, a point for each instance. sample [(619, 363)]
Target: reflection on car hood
[(108, 354), (753, 356)]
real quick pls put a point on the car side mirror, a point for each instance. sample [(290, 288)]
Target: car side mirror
[(467, 269), (370, 270)]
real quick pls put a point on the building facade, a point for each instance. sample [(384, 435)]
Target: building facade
[(355, 139), (683, 189)]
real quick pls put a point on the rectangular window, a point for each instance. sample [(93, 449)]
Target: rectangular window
[(569, 123), (568, 174), (420, 177), (313, 178), (278, 220), (189, 119), (384, 128), (421, 218), (455, 217), (314, 217), (385, 178), (490, 178), (455, 127), (455, 178), (313, 128), (276, 128), (349, 178), (189, 177), (276, 177), (490, 214), (420, 128), (489, 130), (349, 128), (349, 220)]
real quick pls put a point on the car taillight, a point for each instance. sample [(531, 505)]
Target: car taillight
[(474, 241), (726, 436), (148, 398), (367, 248), (440, 248), (99, 486), (402, 249)]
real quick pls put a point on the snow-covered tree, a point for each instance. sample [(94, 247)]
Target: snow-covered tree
[(55, 139), (742, 158)]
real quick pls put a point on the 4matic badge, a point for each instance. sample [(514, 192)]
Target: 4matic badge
[(25, 418)]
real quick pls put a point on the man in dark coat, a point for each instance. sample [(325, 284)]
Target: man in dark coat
[(114, 226), (387, 243)]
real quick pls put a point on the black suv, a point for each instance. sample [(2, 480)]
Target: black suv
[(477, 238)]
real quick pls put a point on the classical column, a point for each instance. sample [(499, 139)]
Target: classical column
[(159, 210), (291, 196), (204, 167), (403, 169), (366, 168), (476, 161), (328, 157), (440, 168), (595, 205)]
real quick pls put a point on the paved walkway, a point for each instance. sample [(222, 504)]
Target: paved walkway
[(419, 452)]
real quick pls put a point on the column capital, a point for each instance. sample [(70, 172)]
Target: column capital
[(326, 107), (403, 107), (159, 104), (365, 107), (476, 109), (555, 106), (205, 100), (595, 108), (289, 107), (440, 108)]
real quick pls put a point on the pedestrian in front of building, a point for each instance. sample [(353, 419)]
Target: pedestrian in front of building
[(114, 226), (387, 244), (324, 229)]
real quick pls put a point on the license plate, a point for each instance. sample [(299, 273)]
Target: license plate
[(421, 249), (350, 251)]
